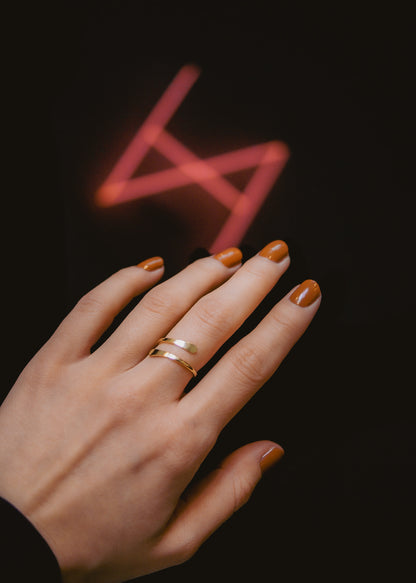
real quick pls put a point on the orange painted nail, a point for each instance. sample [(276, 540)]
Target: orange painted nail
[(275, 251), (306, 293), (151, 264), (229, 257), (271, 457)]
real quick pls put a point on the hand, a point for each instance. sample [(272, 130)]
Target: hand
[(98, 448)]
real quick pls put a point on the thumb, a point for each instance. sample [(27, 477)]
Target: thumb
[(211, 502)]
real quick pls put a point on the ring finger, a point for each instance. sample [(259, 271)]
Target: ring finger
[(163, 306)]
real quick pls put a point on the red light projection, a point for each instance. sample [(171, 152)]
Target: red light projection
[(268, 158)]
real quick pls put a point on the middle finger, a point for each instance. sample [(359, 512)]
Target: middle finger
[(217, 315)]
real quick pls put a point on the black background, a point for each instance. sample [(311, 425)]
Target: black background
[(336, 86)]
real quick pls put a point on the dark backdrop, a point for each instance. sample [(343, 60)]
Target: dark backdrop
[(335, 85)]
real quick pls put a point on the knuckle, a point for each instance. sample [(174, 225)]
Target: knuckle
[(285, 325), (254, 270), (90, 303), (202, 434), (212, 316), (178, 549), (248, 364), (242, 490), (178, 448), (158, 301), (185, 550), (184, 444), (125, 403), (177, 546)]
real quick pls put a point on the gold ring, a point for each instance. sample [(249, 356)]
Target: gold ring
[(164, 354), (188, 346)]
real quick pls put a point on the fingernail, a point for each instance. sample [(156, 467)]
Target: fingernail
[(272, 456), (229, 257), (306, 293), (151, 264), (275, 251)]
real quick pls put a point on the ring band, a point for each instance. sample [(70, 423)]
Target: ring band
[(188, 346), (164, 354)]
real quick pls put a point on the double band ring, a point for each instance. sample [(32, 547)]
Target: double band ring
[(188, 346), (181, 343)]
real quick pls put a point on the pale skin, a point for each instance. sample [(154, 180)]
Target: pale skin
[(98, 448)]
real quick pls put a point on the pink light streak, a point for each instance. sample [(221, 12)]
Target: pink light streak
[(269, 159)]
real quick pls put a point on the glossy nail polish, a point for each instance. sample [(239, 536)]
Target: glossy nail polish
[(272, 456), (151, 264), (275, 251), (306, 293), (229, 257)]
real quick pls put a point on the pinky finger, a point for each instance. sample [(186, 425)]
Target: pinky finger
[(215, 499), (95, 311)]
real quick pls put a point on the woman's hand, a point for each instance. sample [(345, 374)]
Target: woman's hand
[(98, 448)]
